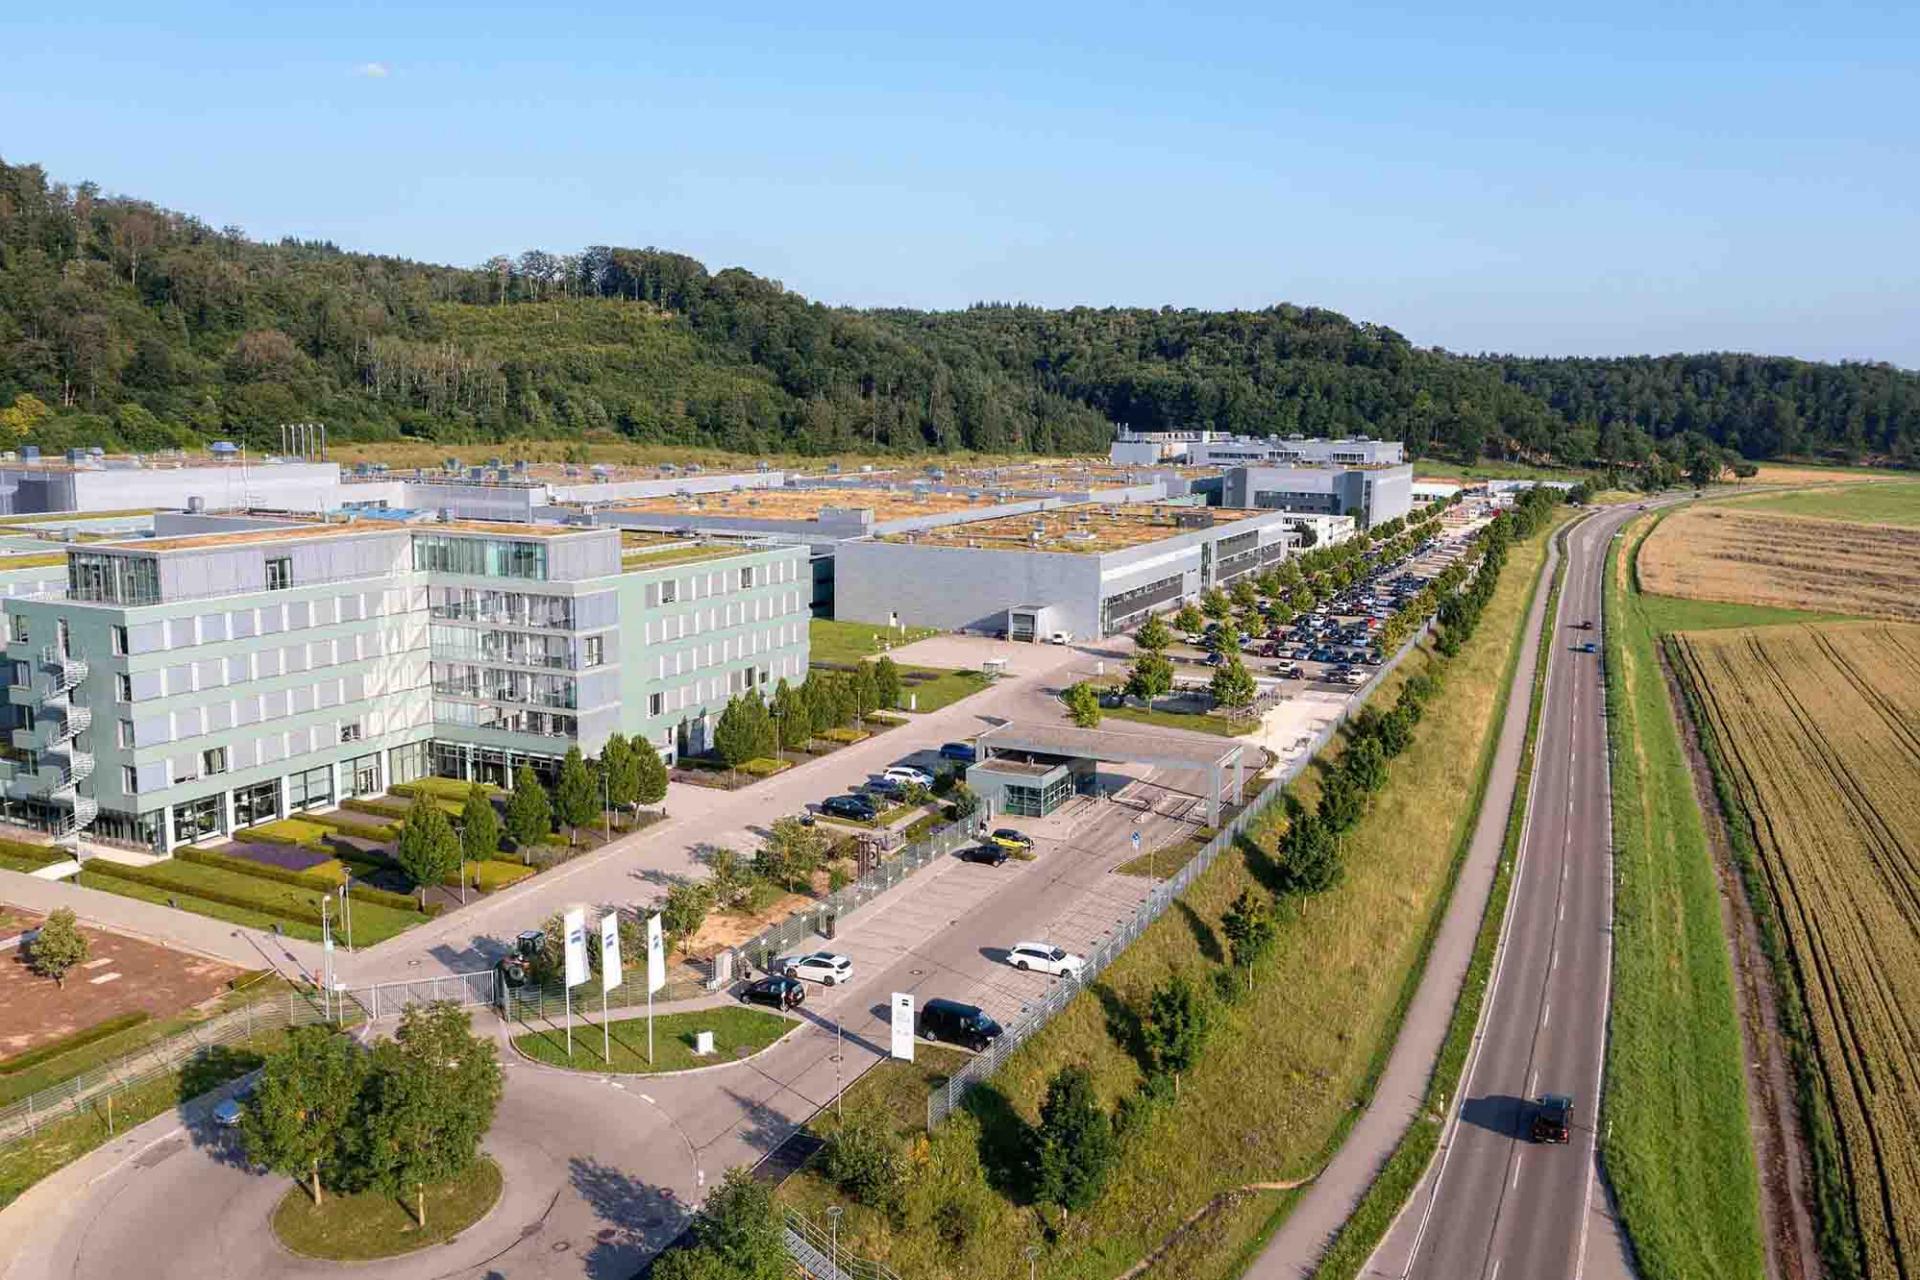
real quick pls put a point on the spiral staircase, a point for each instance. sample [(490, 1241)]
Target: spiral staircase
[(63, 753)]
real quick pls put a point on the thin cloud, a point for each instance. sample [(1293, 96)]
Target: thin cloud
[(373, 71)]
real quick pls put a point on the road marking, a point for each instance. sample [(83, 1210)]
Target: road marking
[(1515, 1184), (1546, 1015), (1533, 1085), (1495, 1273), (1553, 958)]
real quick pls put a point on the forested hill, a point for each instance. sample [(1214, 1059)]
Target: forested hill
[(133, 326)]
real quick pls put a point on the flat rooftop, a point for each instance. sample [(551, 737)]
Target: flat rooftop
[(358, 528), (1178, 748), (639, 553), (1087, 529), (805, 504)]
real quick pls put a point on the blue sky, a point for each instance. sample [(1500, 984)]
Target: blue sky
[(1626, 177)]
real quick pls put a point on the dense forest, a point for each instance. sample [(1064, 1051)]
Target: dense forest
[(132, 326)]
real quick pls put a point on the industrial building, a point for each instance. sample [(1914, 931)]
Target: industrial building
[(1085, 570), (1370, 494), (192, 683), (94, 481), (1205, 448)]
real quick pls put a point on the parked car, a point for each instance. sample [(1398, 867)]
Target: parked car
[(891, 788), (1288, 670), (824, 967), (780, 992), (960, 751), (1060, 637), (956, 1023), (1354, 678), (1553, 1119), (907, 775), (227, 1112), (859, 808), (1010, 840), (991, 854), (1044, 957)]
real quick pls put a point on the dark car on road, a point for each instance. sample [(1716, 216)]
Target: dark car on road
[(859, 808), (781, 993), (1552, 1119), (1589, 647), (956, 1023), (990, 854), (960, 751)]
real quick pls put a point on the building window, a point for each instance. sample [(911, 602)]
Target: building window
[(213, 760), (197, 819), (363, 776), (310, 790), (596, 651), (123, 685), (22, 675), (654, 704), (669, 592), (119, 635), (19, 631), (350, 732), (129, 780), (746, 577), (126, 733), (256, 804), (404, 764), (279, 573)]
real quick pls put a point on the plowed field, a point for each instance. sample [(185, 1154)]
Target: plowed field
[(1818, 730), (1725, 553)]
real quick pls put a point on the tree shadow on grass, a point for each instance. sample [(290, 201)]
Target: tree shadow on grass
[(1261, 864), (1005, 1141), (212, 1067), (1123, 1024), (1203, 933)]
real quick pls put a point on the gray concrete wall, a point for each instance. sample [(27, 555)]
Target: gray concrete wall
[(963, 587)]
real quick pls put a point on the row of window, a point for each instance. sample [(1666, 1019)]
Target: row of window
[(534, 688), (242, 624), (712, 692), (479, 557), (703, 586), (715, 652), (518, 648), (698, 621), (510, 608)]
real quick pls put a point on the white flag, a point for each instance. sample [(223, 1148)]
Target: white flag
[(575, 924), (610, 951), (656, 955)]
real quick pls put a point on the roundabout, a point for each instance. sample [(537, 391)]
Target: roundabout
[(370, 1225)]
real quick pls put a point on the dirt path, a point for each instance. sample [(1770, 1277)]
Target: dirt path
[(1793, 1252)]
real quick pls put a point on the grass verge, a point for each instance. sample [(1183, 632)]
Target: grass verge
[(843, 640), (1285, 1073), (940, 688), (369, 1225), (1675, 1113), (1181, 720), (737, 1032), (1362, 1233)]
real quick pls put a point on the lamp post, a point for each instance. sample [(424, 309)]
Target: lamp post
[(833, 1223), (1033, 1260)]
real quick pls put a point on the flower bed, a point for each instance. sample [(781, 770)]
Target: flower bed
[(264, 859), (294, 831)]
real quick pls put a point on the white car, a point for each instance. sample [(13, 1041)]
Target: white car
[(1354, 678), (823, 967), (1044, 957), (908, 776), (1060, 637)]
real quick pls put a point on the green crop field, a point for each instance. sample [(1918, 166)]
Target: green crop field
[(1882, 502)]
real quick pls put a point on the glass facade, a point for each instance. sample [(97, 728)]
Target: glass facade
[(256, 804), (514, 648), (311, 789), (109, 579), (1038, 802), (198, 819), (479, 557), (547, 724), (514, 608), (464, 680), (405, 764)]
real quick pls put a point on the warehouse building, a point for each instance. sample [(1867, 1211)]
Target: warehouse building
[(1087, 570), (1370, 494), (186, 685), (95, 481)]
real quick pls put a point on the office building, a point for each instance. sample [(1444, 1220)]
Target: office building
[(1370, 494)]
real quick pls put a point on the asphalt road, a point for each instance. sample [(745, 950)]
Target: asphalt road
[(1496, 1203)]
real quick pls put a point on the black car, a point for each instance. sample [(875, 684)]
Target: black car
[(990, 854), (859, 808), (781, 993), (888, 787), (1553, 1119), (956, 1023)]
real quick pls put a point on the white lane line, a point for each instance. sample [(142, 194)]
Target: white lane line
[(1546, 1015), (1495, 1273), (1515, 1184), (1533, 1084), (1563, 911), (1553, 958)]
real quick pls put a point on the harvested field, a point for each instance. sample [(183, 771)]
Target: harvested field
[(1817, 730), (1727, 553)]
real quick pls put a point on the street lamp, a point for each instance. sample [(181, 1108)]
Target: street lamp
[(1033, 1259), (833, 1222)]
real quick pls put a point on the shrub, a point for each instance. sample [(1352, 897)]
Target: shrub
[(762, 767), (58, 946), (294, 831), (493, 874), (78, 1040), (40, 855), (863, 1159), (454, 789), (347, 825), (376, 807), (844, 735)]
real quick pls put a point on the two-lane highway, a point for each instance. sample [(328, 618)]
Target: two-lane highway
[(1495, 1202)]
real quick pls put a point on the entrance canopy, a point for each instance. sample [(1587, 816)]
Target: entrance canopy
[(1215, 758)]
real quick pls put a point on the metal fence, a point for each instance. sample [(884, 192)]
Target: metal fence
[(550, 999), (816, 1251), (92, 1089), (388, 999), (943, 1101), (816, 920)]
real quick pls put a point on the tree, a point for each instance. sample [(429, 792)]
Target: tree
[(1190, 619), (1178, 1019), (1250, 929), (1074, 1145), (529, 811), (434, 1089), (1154, 635), (886, 682), (1244, 595), (427, 851), (650, 771), (479, 826), (622, 768), (1083, 704), (731, 879), (744, 1228), (1226, 640), (863, 1158), (59, 946), (866, 692), (1365, 763), (1150, 678), (297, 1120), (1343, 802), (792, 853), (744, 732), (1231, 685), (791, 716), (1309, 859), (27, 412), (684, 910), (1216, 604), (576, 793)]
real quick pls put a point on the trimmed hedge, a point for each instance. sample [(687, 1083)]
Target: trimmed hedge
[(314, 879), (77, 1040), (441, 788), (40, 855), (377, 808), (844, 735), (763, 767), (494, 874), (378, 832), (226, 898)]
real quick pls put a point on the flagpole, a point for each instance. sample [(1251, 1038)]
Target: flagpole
[(569, 1024)]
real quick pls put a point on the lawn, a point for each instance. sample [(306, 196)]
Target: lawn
[(1676, 1138), (737, 1031), (940, 688), (832, 640), (252, 900), (1217, 725), (1286, 1071), (358, 1228), (1883, 502)]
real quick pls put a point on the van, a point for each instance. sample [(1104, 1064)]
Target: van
[(956, 1023)]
